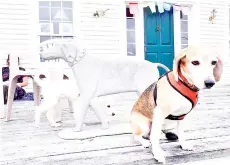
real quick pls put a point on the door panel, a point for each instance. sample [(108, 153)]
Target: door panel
[(149, 24), (159, 39)]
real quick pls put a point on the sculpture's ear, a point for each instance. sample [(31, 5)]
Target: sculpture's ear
[(68, 52), (64, 48), (218, 70), (176, 63), (42, 76), (65, 77)]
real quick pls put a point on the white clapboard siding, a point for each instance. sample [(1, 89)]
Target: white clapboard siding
[(14, 25), (15, 32), (102, 35), (216, 34)]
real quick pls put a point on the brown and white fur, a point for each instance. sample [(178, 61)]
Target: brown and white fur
[(201, 67)]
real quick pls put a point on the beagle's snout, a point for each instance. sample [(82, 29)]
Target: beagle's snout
[(209, 83)]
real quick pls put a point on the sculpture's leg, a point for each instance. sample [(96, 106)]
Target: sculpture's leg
[(70, 105), (100, 111), (58, 112), (108, 107), (80, 107)]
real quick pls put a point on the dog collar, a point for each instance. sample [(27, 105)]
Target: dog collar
[(185, 90), (74, 60)]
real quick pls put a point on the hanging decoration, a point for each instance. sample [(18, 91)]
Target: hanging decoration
[(161, 6), (152, 7), (100, 13), (212, 15), (167, 6), (133, 8)]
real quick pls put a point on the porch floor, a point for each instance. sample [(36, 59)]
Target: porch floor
[(208, 129)]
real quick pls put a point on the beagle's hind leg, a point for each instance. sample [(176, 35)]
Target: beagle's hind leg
[(140, 126)]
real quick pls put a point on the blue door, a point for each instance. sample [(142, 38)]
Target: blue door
[(159, 38)]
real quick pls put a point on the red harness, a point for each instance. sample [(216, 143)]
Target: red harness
[(182, 86)]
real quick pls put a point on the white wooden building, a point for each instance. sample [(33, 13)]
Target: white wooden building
[(26, 23)]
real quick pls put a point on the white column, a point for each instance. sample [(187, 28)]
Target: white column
[(139, 32), (123, 26), (177, 31), (194, 24)]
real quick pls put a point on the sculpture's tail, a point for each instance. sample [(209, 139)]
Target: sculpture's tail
[(163, 66)]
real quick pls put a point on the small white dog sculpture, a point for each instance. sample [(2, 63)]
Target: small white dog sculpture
[(53, 89), (100, 75)]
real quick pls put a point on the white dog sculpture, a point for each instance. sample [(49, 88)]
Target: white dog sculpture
[(100, 75)]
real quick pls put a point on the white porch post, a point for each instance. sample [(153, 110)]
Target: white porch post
[(139, 31), (177, 31), (194, 24)]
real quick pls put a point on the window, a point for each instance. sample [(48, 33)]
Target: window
[(55, 20), (130, 29), (184, 31)]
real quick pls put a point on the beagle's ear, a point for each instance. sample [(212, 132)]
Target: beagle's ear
[(218, 70), (65, 77), (176, 63), (42, 76)]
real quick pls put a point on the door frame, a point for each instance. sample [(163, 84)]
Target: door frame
[(193, 28)]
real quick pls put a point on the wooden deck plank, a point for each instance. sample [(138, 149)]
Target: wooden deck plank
[(128, 154), (21, 143), (40, 147)]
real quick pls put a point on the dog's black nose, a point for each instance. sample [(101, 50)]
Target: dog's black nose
[(209, 83)]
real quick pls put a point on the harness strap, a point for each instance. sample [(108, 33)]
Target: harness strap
[(181, 88), (155, 94), (155, 88), (171, 117)]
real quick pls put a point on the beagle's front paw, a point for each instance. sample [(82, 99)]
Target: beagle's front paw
[(159, 155), (186, 146)]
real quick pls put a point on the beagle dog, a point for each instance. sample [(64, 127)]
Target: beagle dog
[(173, 96)]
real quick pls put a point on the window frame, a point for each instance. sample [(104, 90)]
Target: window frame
[(130, 30), (186, 19), (51, 33)]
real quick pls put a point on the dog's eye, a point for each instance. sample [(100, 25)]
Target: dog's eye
[(195, 62), (214, 62)]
